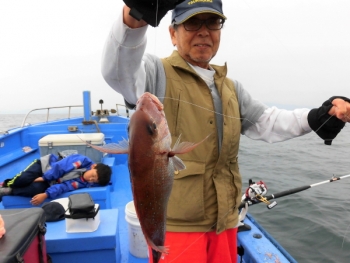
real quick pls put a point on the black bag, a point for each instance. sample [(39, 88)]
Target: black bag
[(24, 240), (81, 206)]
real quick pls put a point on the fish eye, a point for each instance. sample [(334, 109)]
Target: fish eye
[(151, 128)]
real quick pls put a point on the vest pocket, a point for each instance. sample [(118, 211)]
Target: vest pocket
[(186, 202)]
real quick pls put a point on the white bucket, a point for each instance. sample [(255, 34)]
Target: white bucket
[(137, 242)]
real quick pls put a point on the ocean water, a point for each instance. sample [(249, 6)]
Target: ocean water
[(312, 225), (10, 121)]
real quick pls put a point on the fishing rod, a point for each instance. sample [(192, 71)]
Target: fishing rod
[(258, 189)]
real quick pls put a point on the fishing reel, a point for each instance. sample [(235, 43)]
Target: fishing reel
[(256, 193)]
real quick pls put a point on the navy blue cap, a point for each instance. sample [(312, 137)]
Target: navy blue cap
[(190, 8), (53, 211)]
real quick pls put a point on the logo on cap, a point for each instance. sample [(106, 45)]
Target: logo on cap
[(197, 1)]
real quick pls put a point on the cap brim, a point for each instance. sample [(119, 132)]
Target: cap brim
[(195, 11)]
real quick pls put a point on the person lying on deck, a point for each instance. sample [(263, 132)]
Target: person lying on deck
[(51, 176)]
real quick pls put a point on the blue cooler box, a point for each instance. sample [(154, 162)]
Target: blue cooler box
[(54, 143)]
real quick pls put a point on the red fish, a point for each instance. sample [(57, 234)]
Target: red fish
[(152, 163)]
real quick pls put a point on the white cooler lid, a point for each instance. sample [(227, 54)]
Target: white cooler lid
[(72, 139)]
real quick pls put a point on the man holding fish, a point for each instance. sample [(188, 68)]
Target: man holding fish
[(200, 100)]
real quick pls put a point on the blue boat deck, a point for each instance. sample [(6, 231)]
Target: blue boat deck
[(264, 249)]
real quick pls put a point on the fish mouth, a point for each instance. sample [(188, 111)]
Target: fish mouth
[(151, 99), (156, 102)]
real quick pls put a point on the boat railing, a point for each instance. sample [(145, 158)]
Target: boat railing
[(48, 112), (98, 113), (127, 112)]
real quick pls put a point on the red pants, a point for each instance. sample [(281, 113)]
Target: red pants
[(200, 247)]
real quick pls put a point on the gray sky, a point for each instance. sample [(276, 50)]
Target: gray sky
[(291, 53)]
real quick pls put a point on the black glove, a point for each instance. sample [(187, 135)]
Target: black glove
[(149, 11), (325, 125)]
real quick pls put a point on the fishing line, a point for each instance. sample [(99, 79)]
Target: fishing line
[(344, 237), (232, 117), (157, 10), (346, 231), (201, 107), (156, 29), (269, 197), (231, 209)]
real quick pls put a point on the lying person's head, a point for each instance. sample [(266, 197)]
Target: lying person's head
[(99, 173)]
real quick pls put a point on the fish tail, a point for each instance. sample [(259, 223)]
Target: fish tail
[(156, 256)]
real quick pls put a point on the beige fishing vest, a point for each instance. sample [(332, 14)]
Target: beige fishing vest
[(205, 195)]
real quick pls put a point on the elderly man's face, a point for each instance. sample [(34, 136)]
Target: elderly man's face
[(196, 47)]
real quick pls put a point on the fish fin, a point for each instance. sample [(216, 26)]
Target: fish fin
[(114, 148), (178, 163), (161, 249), (185, 147), (177, 141)]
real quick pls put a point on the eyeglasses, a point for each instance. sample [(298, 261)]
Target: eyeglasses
[(194, 24)]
